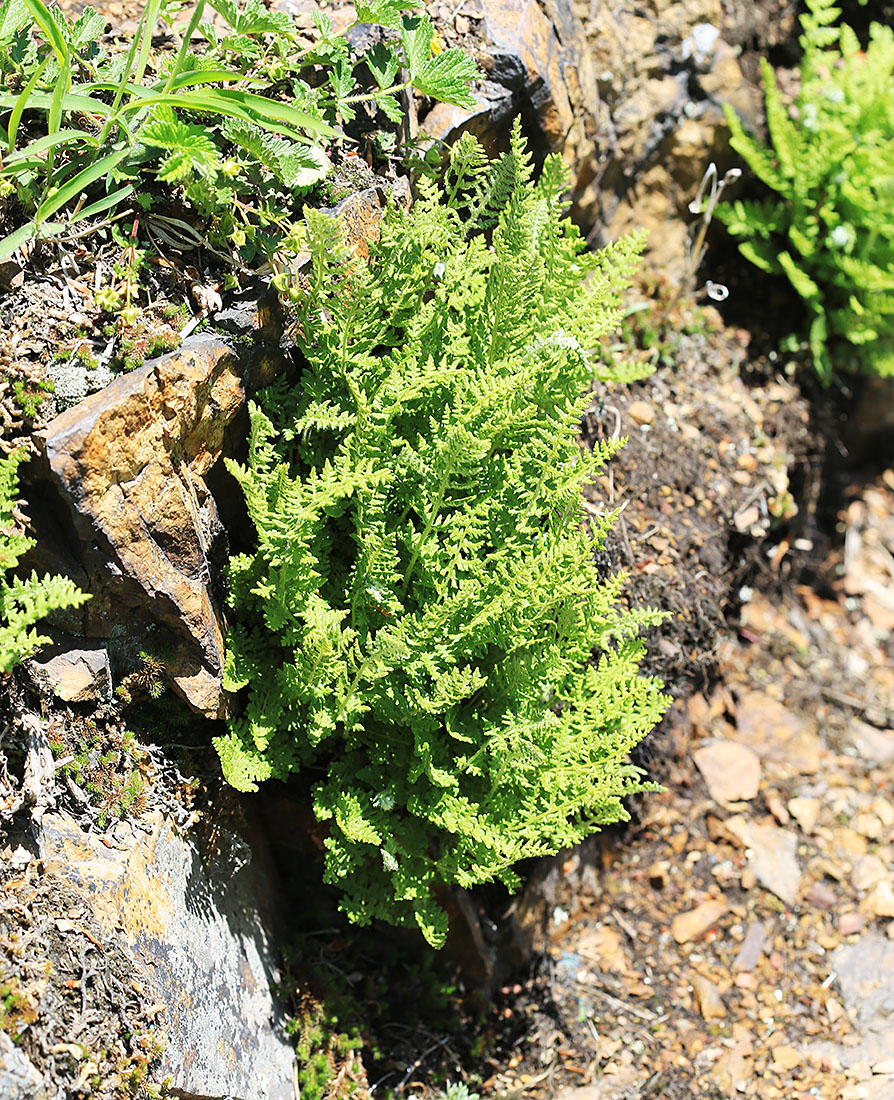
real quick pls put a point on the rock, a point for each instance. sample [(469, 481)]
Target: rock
[(752, 947), (785, 1058), (772, 860), (874, 745), (868, 871), (493, 111), (850, 923), (361, 212), (76, 672), (732, 771), (805, 811), (710, 1003), (19, 1080), (198, 925), (130, 463), (693, 924), (822, 896), (541, 52), (641, 412), (880, 902), (863, 971), (786, 742)]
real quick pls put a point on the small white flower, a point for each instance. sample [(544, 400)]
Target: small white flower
[(842, 236)]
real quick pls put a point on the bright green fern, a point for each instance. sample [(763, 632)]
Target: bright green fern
[(830, 229), (24, 602), (422, 618)]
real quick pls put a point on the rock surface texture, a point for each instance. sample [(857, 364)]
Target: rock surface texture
[(129, 462), (631, 95), (191, 918)]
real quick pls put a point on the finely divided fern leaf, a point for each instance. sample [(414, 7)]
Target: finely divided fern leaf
[(420, 614)]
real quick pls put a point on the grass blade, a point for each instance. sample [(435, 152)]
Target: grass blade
[(50, 28), (281, 118), (103, 204), (83, 104), (49, 141), (15, 240), (77, 184), (20, 102)]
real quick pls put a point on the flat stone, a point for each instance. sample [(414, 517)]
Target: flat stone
[(694, 923), (874, 745), (785, 741), (868, 871), (732, 771), (752, 947), (78, 672), (641, 412), (772, 857), (199, 926), (863, 972)]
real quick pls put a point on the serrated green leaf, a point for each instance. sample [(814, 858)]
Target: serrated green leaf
[(384, 12), (446, 77), (14, 16), (383, 63), (390, 107)]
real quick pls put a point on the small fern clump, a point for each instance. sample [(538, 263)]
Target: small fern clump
[(420, 616), (24, 602), (830, 229)]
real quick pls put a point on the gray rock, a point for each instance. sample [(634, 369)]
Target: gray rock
[(198, 928), (19, 1080), (863, 971), (76, 671)]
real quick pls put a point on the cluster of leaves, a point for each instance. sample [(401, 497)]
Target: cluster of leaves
[(830, 227), (24, 602), (105, 763), (421, 612), (234, 130)]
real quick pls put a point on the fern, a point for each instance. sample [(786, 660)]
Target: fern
[(830, 228), (24, 602), (421, 612)]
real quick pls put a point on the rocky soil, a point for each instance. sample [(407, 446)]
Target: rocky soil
[(737, 938)]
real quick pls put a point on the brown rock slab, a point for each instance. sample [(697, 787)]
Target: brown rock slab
[(694, 923), (732, 771), (786, 742), (130, 462)]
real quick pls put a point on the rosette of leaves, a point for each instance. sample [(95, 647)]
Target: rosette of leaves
[(24, 602), (829, 226), (422, 619), (237, 128)]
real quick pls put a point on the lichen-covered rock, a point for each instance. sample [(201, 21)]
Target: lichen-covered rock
[(19, 1080), (130, 463), (197, 924)]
